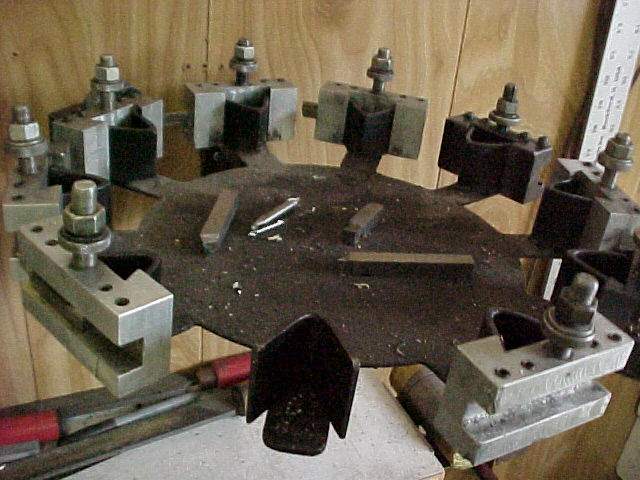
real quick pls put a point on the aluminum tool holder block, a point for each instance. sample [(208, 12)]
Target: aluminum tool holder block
[(27, 200), (206, 103), (88, 144), (86, 133), (129, 320), (410, 115), (497, 401)]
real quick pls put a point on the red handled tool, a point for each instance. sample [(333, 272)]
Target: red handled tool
[(48, 426), (37, 426), (226, 371)]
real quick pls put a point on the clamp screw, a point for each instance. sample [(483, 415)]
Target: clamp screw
[(569, 323), (21, 114), (107, 81), (107, 60), (243, 60), (25, 139), (84, 197), (616, 157), (84, 232), (381, 69), (505, 114)]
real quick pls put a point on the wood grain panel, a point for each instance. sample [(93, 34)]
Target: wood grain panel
[(48, 49), (535, 45)]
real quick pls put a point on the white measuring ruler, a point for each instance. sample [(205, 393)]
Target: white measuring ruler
[(614, 79), (615, 76)]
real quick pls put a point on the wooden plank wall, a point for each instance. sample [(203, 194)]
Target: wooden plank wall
[(457, 53)]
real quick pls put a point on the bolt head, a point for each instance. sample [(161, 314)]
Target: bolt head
[(107, 74), (24, 132)]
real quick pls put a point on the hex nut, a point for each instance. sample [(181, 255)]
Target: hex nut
[(107, 74), (506, 107), (84, 225), (382, 63), (244, 52), (620, 146), (573, 314), (19, 132)]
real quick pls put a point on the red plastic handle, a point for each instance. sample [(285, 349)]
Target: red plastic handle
[(38, 426), (232, 369)]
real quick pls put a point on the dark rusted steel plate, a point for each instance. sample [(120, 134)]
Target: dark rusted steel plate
[(382, 320)]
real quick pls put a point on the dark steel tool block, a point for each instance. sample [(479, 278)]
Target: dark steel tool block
[(490, 161)]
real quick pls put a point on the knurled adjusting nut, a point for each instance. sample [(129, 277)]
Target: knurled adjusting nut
[(107, 86), (504, 119), (84, 246), (617, 156), (380, 73), (562, 335), (244, 66), (91, 225)]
